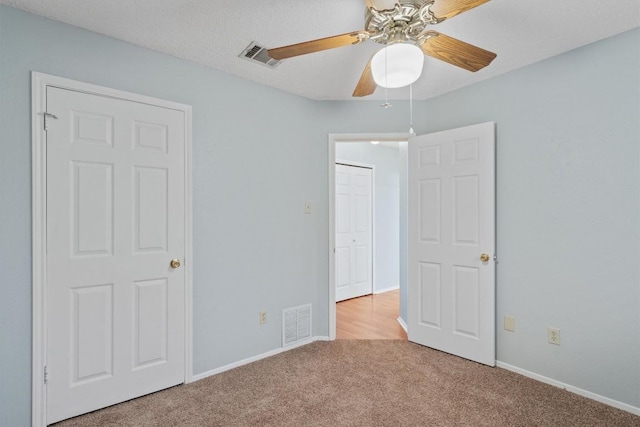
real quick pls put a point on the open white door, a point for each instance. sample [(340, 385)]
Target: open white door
[(353, 257), (451, 289)]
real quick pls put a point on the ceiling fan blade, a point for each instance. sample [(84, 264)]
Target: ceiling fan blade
[(366, 85), (451, 8), (317, 45), (456, 52)]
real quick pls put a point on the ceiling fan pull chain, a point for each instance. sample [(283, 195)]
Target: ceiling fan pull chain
[(411, 109), (386, 99), (386, 78), (386, 68), (386, 88)]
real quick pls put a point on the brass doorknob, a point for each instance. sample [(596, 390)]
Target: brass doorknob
[(484, 257), (175, 263)]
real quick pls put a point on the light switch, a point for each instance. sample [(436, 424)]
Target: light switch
[(509, 323), (307, 208)]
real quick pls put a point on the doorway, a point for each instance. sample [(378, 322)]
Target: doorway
[(370, 317), (389, 249)]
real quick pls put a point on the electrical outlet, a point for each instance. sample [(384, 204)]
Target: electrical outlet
[(553, 335), (509, 323), (263, 317)]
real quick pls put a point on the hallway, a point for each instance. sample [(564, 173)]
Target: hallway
[(370, 317)]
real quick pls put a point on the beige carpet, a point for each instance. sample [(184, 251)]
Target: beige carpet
[(361, 383)]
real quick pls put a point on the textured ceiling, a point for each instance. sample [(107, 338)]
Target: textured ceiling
[(214, 32)]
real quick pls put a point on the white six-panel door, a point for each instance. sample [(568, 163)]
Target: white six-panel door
[(115, 219), (353, 225), (451, 290)]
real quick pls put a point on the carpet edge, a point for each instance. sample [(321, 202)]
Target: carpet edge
[(575, 390)]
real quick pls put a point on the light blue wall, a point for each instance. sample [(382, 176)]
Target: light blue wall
[(568, 221), (403, 149), (568, 199), (259, 154), (387, 208)]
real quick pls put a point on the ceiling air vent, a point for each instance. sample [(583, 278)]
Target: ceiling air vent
[(255, 52)]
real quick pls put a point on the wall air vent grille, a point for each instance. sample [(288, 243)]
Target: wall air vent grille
[(256, 53), (296, 324)]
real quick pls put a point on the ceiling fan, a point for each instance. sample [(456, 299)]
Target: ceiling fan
[(401, 22)]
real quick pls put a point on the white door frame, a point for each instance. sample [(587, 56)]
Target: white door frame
[(333, 139), (39, 83), (372, 207)]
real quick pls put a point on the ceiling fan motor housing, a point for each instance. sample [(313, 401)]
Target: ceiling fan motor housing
[(405, 23)]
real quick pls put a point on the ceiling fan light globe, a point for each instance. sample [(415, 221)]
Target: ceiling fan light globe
[(397, 65)]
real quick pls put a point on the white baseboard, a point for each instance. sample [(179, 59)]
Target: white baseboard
[(403, 324), (383, 290), (570, 388), (203, 375)]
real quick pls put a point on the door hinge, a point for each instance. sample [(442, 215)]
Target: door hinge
[(46, 375), (48, 116)]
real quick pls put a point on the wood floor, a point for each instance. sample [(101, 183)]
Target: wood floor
[(371, 317)]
